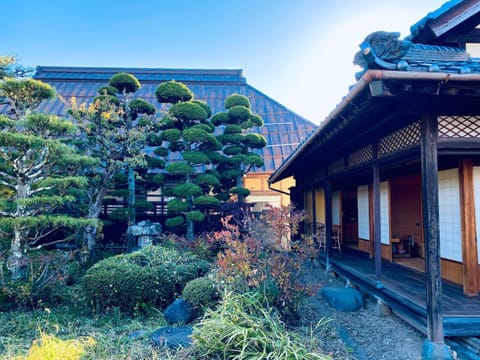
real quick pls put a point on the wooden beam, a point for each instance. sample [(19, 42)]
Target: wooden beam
[(377, 222), (469, 231), (430, 210), (473, 36)]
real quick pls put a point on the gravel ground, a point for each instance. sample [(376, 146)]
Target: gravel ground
[(366, 335)]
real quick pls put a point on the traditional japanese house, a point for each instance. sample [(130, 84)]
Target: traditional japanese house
[(395, 168), (283, 128)]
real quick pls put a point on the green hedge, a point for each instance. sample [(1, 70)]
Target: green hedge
[(142, 280)]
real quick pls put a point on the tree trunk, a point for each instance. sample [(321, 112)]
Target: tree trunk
[(190, 225), (241, 197), (90, 231), (16, 263)]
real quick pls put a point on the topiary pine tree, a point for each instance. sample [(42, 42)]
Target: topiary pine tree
[(38, 174), (114, 133), (238, 144), (187, 137)]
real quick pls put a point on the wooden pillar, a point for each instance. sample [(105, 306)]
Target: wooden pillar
[(328, 221), (469, 231), (429, 132), (377, 223), (314, 211)]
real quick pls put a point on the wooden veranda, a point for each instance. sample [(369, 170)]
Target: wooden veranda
[(404, 291)]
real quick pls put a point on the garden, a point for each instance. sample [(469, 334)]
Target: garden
[(235, 285)]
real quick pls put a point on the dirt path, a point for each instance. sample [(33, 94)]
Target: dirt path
[(377, 337)]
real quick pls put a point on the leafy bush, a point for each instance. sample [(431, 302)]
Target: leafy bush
[(46, 276), (242, 327), (201, 293), (246, 263), (116, 282), (139, 281)]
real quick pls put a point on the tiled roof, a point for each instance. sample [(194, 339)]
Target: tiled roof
[(283, 129), (419, 26), (382, 50)]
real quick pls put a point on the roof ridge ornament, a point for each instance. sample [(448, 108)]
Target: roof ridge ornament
[(384, 50)]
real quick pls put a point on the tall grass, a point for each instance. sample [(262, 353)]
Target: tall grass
[(242, 328)]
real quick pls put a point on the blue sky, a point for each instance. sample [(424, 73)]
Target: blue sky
[(299, 52)]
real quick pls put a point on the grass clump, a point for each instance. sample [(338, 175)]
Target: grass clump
[(243, 327), (49, 347)]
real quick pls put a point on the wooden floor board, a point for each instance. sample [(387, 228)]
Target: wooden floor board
[(404, 289)]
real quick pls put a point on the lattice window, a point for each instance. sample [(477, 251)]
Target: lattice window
[(336, 166), (361, 156), (459, 126), (400, 139)]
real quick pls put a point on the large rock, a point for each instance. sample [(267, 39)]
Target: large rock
[(343, 299), (179, 312), (172, 336)]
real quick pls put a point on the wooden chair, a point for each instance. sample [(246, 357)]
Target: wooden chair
[(336, 237), (320, 236)]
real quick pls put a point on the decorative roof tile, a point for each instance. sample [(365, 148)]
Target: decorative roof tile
[(383, 50)]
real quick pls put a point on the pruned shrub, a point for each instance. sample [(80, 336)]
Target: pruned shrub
[(189, 111), (174, 222), (141, 280), (173, 92), (124, 82), (237, 99), (195, 215), (201, 293)]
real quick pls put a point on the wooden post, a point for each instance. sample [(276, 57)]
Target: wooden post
[(429, 131), (328, 221), (377, 223), (314, 210), (469, 231)]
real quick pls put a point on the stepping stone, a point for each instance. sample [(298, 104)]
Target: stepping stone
[(172, 336), (343, 299)]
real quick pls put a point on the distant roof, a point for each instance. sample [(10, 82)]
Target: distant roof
[(283, 128)]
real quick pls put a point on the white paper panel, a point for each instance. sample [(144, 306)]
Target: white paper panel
[(449, 210), (384, 213), (363, 213), (476, 186), (336, 208)]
